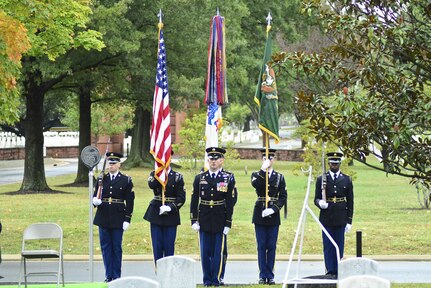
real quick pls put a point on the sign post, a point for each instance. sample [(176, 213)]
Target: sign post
[(90, 156)]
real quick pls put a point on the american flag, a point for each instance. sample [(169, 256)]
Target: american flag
[(161, 125)]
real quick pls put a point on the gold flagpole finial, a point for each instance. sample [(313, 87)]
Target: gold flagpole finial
[(268, 21), (160, 15)]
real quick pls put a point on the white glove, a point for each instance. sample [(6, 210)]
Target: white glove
[(265, 164), (164, 209), (323, 204), (196, 227), (226, 230), (97, 201), (125, 225), (348, 227), (267, 212)]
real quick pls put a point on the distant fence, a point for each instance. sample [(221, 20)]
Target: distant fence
[(63, 144), (57, 144), (282, 155), (51, 139)]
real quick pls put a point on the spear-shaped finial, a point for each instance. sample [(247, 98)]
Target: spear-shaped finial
[(268, 19), (160, 15), (218, 12)]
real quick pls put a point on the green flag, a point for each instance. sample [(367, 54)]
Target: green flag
[(266, 95)]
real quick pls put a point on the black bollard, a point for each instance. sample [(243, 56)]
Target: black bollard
[(358, 243)]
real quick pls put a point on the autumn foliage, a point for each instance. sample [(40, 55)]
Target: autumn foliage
[(13, 43)]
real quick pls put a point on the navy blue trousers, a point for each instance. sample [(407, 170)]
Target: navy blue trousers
[(329, 252), (163, 240), (266, 238), (211, 245), (112, 252)]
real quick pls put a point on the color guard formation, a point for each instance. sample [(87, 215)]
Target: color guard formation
[(211, 211)]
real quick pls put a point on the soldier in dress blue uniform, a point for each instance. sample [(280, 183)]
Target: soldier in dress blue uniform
[(114, 198), (211, 210), (266, 218), (336, 213), (165, 218)]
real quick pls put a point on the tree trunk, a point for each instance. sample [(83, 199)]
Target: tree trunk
[(34, 170), (385, 157), (247, 124), (139, 149), (84, 131)]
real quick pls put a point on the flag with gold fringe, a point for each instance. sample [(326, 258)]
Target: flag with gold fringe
[(160, 134), (266, 96)]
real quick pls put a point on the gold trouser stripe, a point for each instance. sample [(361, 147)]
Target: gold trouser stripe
[(221, 256)]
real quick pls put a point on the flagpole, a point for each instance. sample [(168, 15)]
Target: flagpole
[(160, 26), (268, 27), (267, 168)]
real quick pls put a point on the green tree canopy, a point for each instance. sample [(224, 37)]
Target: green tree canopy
[(379, 74), (53, 29), (237, 114)]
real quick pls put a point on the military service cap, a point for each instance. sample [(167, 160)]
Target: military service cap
[(215, 152), (334, 157), (271, 152), (113, 157)]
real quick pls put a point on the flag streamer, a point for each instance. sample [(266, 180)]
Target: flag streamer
[(216, 86), (161, 145)]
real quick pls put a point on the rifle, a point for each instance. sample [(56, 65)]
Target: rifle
[(100, 182), (323, 174)]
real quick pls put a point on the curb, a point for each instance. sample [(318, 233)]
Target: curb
[(239, 257)]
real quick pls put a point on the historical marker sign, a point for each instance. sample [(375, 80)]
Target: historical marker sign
[(90, 155)]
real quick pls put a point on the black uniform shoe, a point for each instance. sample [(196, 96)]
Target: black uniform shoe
[(221, 282), (271, 282), (107, 280), (262, 281)]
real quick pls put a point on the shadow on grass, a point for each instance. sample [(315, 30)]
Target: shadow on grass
[(30, 192)]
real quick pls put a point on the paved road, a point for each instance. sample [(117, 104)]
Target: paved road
[(12, 171), (237, 272)]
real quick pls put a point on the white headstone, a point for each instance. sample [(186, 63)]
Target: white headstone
[(133, 282), (357, 266), (176, 271), (364, 281)]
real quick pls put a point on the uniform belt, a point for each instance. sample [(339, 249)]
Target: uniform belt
[(336, 199), (212, 202), (112, 200), (269, 198), (167, 199)]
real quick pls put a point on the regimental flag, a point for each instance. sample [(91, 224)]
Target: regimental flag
[(161, 145), (216, 86), (266, 94)]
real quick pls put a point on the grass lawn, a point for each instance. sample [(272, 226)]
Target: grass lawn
[(386, 210)]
